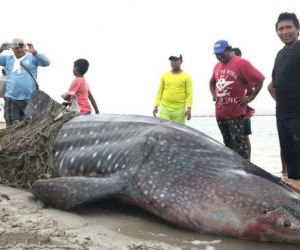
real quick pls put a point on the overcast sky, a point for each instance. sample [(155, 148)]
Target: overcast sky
[(128, 42)]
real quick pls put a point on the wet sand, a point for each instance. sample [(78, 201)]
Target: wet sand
[(26, 223)]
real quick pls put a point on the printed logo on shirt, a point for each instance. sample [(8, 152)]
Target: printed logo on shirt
[(223, 88)]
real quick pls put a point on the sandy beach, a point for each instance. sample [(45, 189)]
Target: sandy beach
[(25, 223)]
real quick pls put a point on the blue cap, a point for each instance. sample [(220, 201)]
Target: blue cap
[(220, 46)]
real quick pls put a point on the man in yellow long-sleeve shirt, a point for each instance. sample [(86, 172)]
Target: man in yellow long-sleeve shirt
[(175, 93)]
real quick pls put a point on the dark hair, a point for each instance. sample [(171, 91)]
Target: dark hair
[(288, 16), (3, 72), (237, 51), (82, 65), (228, 48)]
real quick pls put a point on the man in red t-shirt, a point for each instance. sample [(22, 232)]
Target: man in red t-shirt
[(228, 85)]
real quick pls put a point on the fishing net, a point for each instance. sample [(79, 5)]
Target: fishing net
[(26, 147)]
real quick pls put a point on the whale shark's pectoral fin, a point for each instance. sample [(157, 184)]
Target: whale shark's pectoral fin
[(67, 192)]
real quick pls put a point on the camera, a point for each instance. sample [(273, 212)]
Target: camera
[(12, 45)]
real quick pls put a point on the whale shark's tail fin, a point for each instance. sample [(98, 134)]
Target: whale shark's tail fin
[(38, 102)]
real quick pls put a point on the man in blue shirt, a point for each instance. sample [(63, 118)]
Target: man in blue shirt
[(20, 84)]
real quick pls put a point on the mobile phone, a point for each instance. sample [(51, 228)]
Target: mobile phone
[(12, 45)]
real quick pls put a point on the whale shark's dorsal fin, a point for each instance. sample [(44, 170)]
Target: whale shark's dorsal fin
[(37, 103)]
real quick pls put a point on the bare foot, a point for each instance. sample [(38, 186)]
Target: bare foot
[(293, 183)]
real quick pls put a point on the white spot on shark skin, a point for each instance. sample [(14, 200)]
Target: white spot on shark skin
[(124, 165), (94, 155), (98, 163), (65, 135), (70, 148), (57, 152), (81, 148), (61, 163), (97, 141), (116, 166), (198, 242), (109, 156), (106, 143), (145, 192), (72, 160), (92, 132)]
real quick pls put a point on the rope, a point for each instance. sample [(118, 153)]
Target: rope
[(26, 147)]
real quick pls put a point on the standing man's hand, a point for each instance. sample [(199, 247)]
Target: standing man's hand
[(31, 49), (188, 114), (4, 47), (155, 110), (244, 100)]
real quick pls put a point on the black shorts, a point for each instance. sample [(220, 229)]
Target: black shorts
[(233, 134)]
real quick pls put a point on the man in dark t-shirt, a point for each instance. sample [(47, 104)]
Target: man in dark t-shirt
[(285, 89)]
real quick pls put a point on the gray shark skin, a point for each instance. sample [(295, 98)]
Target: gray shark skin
[(173, 171)]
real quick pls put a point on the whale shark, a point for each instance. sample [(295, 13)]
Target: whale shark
[(171, 170)]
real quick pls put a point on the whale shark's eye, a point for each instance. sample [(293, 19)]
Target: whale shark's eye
[(287, 224)]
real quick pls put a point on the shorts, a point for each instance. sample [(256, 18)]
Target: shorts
[(14, 110), (247, 127), (233, 134), (170, 114)]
